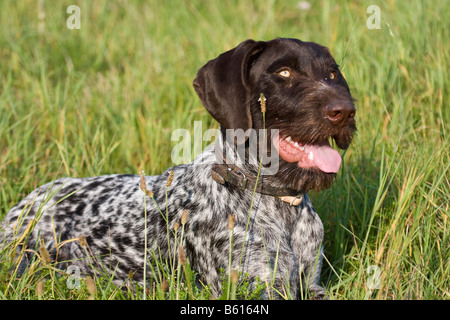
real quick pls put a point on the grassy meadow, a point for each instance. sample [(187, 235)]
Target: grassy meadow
[(105, 98)]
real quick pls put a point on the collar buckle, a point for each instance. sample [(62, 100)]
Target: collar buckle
[(242, 182)]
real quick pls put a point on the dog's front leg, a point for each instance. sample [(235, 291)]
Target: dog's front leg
[(306, 241)]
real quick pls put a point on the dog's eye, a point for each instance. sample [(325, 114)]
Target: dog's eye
[(331, 76), (284, 73)]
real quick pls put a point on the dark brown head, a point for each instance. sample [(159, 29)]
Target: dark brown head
[(308, 101)]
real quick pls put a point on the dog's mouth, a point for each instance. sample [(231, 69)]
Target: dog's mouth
[(321, 156)]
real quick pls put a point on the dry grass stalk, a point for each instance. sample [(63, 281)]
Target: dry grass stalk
[(143, 186), (231, 221), (169, 179), (184, 217)]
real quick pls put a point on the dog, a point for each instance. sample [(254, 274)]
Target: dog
[(294, 91)]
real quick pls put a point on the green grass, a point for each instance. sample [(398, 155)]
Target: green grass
[(106, 98)]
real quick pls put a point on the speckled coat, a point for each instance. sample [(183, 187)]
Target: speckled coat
[(108, 211), (308, 102)]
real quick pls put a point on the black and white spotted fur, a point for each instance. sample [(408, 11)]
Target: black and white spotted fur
[(109, 212), (283, 242)]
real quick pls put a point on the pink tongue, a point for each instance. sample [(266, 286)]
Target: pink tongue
[(323, 157)]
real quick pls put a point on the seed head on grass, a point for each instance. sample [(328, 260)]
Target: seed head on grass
[(234, 280), (234, 276), (40, 288), (262, 101), (143, 186), (91, 287), (44, 254), (82, 241), (184, 217), (169, 179), (231, 221), (183, 262), (149, 193)]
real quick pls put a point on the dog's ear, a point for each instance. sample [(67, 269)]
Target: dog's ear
[(223, 85)]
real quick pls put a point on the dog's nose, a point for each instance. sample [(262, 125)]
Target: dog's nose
[(340, 113)]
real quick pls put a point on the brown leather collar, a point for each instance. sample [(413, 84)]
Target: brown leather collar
[(223, 174)]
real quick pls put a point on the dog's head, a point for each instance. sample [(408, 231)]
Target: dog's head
[(308, 101)]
